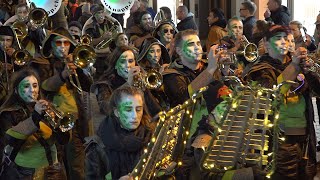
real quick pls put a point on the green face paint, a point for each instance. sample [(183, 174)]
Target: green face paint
[(279, 44), (28, 89), (191, 49), (130, 111), (124, 62)]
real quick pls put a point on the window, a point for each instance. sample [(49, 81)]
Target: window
[(306, 12)]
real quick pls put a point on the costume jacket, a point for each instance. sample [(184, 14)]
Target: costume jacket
[(267, 72)]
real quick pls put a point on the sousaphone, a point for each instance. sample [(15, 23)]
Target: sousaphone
[(50, 6), (118, 6)]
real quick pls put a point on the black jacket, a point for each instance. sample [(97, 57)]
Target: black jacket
[(281, 16), (248, 24), (187, 23), (114, 149)]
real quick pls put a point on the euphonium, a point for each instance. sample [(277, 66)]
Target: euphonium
[(57, 119), (115, 29), (250, 51)]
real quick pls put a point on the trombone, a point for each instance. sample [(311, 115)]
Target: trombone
[(21, 56), (84, 56)]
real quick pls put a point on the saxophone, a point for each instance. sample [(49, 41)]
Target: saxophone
[(166, 147), (249, 126)]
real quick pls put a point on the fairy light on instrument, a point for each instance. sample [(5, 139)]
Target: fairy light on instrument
[(168, 127)]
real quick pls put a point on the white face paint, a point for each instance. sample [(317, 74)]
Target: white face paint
[(28, 89), (130, 111), (124, 63), (60, 47), (166, 33), (154, 54)]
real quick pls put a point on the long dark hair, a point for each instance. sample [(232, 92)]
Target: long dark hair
[(113, 58), (222, 22), (13, 96), (117, 96)]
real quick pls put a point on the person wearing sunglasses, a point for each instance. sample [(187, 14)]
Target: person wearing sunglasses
[(165, 31), (57, 86)]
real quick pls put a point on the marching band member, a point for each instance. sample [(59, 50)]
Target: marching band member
[(121, 137), (296, 112), (27, 143), (68, 98)]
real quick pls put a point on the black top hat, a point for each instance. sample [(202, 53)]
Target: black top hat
[(62, 32), (6, 31)]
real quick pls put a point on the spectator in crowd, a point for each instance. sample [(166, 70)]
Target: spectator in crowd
[(277, 13), (186, 19), (307, 41), (247, 10), (217, 23)]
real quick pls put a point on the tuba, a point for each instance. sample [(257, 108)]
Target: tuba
[(118, 7), (250, 51), (163, 153)]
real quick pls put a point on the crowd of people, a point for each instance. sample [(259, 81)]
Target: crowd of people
[(47, 76)]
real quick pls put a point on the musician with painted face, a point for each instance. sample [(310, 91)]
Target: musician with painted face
[(296, 113), (57, 49), (165, 32), (189, 73), (26, 139), (122, 69), (121, 137)]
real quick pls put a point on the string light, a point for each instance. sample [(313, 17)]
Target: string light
[(276, 116), (179, 163)]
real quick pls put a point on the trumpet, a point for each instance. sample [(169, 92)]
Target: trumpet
[(150, 79), (58, 119)]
